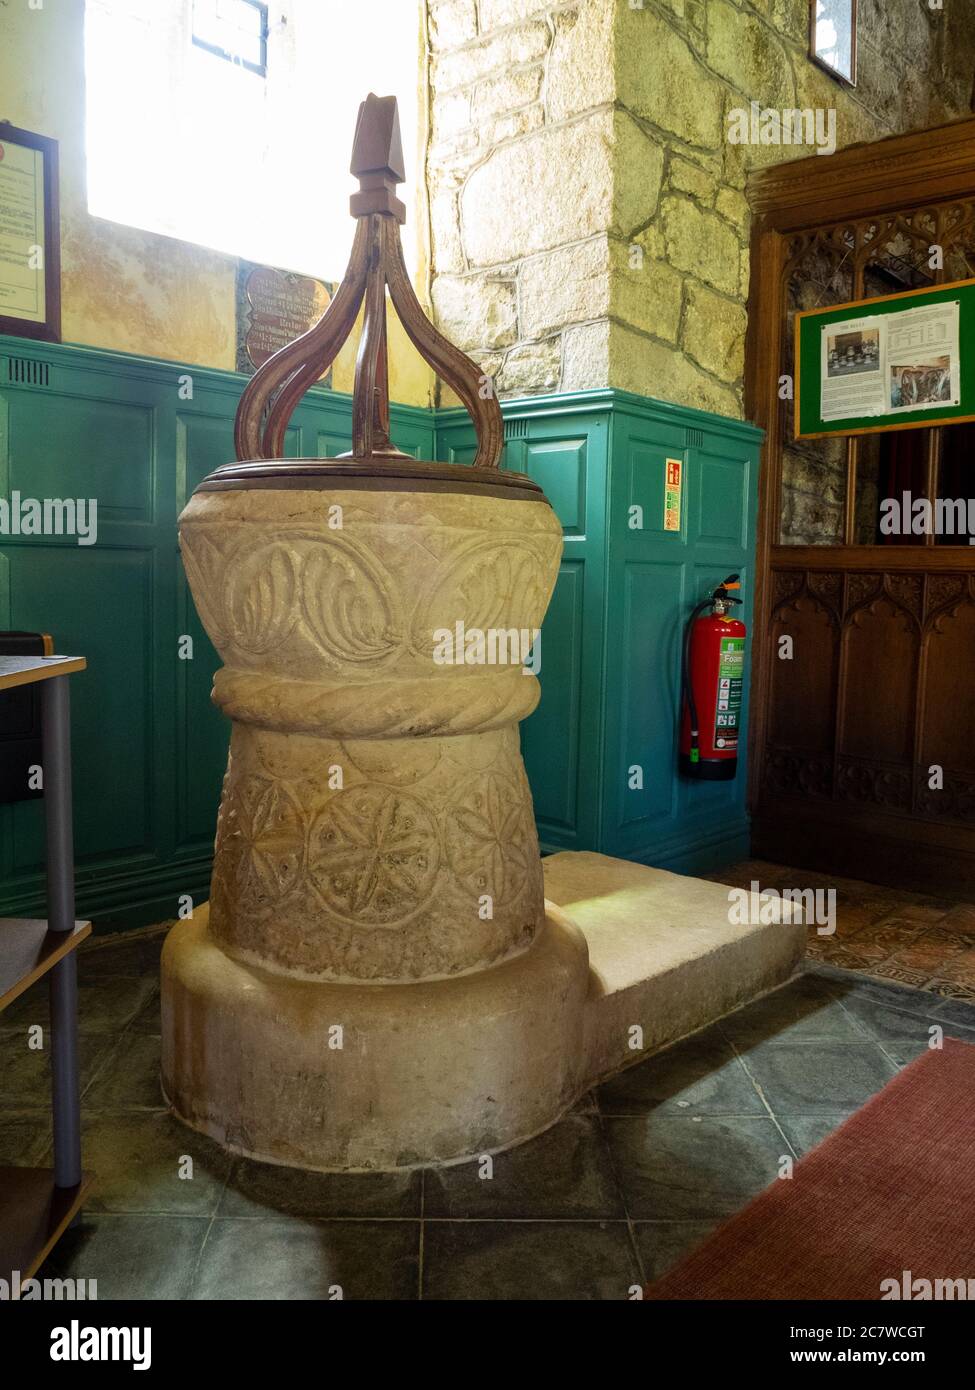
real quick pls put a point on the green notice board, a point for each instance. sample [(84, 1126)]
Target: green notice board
[(891, 363)]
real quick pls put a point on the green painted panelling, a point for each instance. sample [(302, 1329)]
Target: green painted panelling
[(150, 749), (611, 643)]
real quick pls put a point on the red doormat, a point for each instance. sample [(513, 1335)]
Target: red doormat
[(889, 1196)]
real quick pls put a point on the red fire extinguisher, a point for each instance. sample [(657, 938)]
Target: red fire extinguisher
[(713, 674)]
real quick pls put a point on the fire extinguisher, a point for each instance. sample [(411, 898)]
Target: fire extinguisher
[(712, 684)]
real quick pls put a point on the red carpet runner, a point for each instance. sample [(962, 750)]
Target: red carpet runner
[(889, 1196)]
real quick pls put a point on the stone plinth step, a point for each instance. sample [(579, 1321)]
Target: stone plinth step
[(663, 953)]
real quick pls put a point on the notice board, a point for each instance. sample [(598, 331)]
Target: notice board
[(891, 363), (30, 235)]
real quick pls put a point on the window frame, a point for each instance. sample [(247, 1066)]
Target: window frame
[(262, 8), (814, 57)]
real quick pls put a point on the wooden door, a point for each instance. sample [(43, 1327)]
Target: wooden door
[(862, 746)]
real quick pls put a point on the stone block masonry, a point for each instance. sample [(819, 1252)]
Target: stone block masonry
[(587, 213)]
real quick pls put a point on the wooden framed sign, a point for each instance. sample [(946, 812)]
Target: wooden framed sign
[(890, 363), (30, 235)]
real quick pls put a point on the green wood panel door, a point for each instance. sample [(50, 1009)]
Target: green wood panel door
[(655, 578), (561, 740)]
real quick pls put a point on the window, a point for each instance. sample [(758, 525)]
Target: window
[(833, 37), (233, 29), (255, 164)]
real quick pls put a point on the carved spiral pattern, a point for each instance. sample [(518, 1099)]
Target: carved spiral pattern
[(358, 600), (259, 597), (345, 603)]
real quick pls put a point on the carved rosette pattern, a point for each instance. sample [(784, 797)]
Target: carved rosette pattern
[(259, 839), (491, 841), (373, 856), (421, 860), (376, 880)]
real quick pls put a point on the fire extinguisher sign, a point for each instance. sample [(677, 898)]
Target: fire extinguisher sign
[(731, 671), (673, 479)]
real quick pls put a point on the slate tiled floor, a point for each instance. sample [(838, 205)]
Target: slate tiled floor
[(637, 1174), (886, 933)]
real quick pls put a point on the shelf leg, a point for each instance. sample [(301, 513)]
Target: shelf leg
[(64, 1070), (56, 731)]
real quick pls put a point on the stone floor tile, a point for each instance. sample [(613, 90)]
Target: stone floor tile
[(565, 1172), (129, 1078), (701, 1075), (807, 1009), (25, 1074), (804, 1132), (263, 1190), (815, 1078), (106, 1003), (138, 1257), (309, 1260), (678, 1167), (138, 1159), (528, 1260)]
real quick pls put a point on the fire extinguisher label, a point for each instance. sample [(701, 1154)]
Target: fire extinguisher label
[(731, 670), (672, 490)]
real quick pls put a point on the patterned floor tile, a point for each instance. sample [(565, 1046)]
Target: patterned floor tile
[(951, 989), (959, 968), (881, 932), (961, 919)]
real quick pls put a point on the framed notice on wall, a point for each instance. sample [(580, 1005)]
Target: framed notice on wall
[(30, 235), (896, 362)]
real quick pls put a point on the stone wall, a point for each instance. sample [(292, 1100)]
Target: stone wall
[(524, 148), (588, 220)]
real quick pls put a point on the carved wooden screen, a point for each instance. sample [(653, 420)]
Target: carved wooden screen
[(863, 747)]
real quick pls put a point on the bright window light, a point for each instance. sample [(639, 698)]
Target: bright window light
[(255, 164), (233, 29), (833, 37)]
